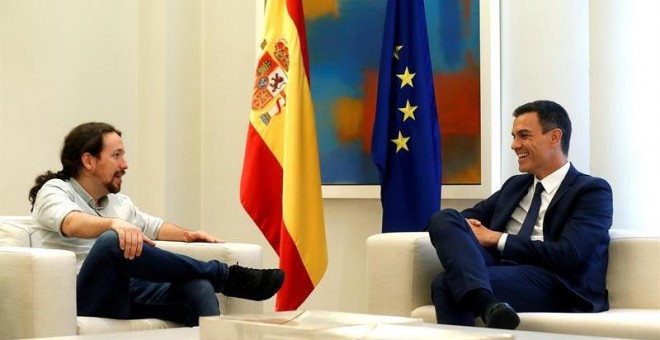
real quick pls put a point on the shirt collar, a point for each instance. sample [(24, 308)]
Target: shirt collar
[(552, 181), (103, 202)]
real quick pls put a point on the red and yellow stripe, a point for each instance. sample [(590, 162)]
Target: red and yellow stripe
[(281, 184)]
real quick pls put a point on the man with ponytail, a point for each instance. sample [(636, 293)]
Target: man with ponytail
[(122, 274)]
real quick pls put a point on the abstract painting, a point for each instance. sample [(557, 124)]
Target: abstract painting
[(344, 46)]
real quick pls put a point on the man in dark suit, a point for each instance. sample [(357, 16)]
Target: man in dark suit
[(517, 251)]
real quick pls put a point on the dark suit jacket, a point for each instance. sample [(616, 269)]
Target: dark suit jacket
[(575, 232)]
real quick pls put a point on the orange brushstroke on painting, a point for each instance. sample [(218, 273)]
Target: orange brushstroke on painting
[(319, 8), (457, 96), (347, 119)]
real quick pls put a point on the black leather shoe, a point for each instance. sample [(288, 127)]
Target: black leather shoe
[(252, 284), (500, 315)]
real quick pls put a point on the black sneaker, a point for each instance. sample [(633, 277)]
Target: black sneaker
[(252, 284)]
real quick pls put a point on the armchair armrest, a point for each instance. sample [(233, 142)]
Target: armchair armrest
[(247, 255), (400, 269), (37, 292)]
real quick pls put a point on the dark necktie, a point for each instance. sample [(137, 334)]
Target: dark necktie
[(532, 214)]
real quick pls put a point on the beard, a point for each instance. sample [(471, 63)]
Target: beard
[(112, 187)]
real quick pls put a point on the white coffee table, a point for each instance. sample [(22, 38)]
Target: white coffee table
[(313, 325), (182, 333), (186, 333)]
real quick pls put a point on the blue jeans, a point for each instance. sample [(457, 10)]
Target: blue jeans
[(157, 284)]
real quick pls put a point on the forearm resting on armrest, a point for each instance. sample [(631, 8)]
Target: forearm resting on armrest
[(400, 269)]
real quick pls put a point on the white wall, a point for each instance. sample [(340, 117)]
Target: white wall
[(545, 55), (55, 72), (625, 115), (169, 109), (132, 64), (176, 77)]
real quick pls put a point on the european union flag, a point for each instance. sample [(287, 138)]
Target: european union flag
[(406, 135)]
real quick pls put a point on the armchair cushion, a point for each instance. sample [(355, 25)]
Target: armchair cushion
[(15, 231), (91, 325), (399, 264)]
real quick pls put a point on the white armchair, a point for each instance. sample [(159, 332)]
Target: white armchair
[(38, 286), (401, 267)]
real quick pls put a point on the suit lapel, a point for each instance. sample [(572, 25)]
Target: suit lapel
[(564, 187), (519, 191), (511, 195)]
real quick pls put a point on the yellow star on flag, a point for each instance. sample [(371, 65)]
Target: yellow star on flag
[(406, 78), (396, 51), (408, 111), (401, 142)]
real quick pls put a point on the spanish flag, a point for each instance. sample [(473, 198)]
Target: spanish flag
[(281, 180)]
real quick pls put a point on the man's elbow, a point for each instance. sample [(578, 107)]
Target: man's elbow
[(67, 225)]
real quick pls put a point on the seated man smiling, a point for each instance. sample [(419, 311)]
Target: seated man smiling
[(539, 244)]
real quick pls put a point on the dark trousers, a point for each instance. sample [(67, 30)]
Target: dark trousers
[(157, 284), (470, 266)]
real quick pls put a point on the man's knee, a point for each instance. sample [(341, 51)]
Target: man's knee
[(107, 243), (441, 220), (109, 237)]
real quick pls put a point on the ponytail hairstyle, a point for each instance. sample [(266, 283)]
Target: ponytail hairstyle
[(87, 137)]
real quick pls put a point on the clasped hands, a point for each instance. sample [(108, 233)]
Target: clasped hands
[(485, 236)]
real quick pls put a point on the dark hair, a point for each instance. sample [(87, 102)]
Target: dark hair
[(87, 137), (552, 116)]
